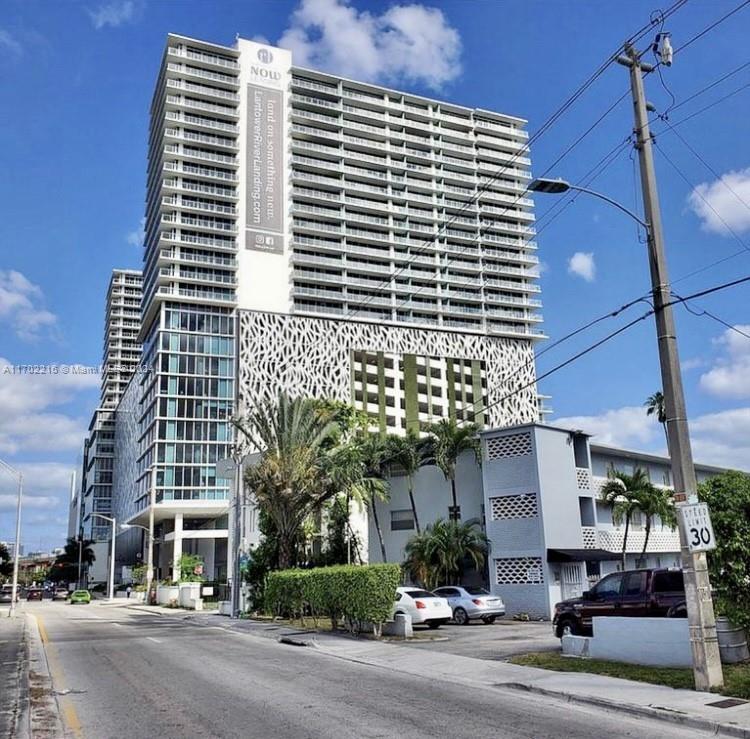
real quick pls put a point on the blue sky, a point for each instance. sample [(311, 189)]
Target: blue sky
[(76, 82)]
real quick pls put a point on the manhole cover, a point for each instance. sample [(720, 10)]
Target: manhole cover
[(727, 703)]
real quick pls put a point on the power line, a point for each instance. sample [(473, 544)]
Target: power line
[(544, 128), (609, 337), (710, 105), (709, 167), (700, 195), (711, 85), (712, 26), (708, 314)]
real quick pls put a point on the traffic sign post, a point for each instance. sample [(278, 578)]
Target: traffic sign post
[(696, 523)]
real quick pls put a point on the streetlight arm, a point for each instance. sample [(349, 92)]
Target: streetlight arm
[(609, 200), (106, 518)]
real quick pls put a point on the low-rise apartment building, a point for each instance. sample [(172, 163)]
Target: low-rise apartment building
[(537, 496)]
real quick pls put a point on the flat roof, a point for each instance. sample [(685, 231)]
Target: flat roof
[(234, 51), (605, 448)]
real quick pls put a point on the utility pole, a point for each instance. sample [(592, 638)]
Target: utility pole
[(702, 623)]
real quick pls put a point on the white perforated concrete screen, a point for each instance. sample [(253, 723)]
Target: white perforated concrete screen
[(519, 571), (513, 506), (513, 445)]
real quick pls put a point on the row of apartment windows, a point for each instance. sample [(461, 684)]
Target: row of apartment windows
[(185, 452), (198, 320), (196, 387), (194, 431), (186, 364), (194, 344), (208, 409), (186, 476)]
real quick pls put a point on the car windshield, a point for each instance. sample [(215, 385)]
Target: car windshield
[(477, 591), (420, 594)]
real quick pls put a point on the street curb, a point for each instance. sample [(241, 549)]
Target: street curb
[(662, 714), (45, 706)]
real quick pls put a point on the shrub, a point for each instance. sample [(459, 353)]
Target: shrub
[(728, 498), (357, 593)]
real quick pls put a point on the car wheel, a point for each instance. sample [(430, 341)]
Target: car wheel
[(566, 628), (678, 612), (489, 619), (461, 617)]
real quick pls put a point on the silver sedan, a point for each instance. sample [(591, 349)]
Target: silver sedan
[(470, 602)]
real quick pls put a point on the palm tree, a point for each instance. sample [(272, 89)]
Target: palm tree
[(356, 470), (65, 567), (409, 453), (655, 406), (374, 484), (659, 502), (438, 555), (291, 480), (624, 494), (448, 441)]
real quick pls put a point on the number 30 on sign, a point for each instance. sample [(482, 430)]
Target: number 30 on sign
[(698, 529)]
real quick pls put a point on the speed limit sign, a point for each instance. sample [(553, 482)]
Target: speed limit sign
[(698, 529)]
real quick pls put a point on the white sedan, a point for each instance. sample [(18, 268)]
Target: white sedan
[(423, 606)]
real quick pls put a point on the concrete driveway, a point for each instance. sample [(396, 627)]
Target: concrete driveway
[(499, 641)]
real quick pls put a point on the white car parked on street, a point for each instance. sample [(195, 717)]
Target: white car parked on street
[(472, 603), (423, 607)]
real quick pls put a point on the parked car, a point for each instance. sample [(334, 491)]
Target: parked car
[(423, 606), (6, 594), (60, 594), (80, 596), (34, 594), (653, 592), (471, 602)]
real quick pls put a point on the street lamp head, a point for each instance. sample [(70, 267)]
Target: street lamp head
[(551, 187), (125, 526)]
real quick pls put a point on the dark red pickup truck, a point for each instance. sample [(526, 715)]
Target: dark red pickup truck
[(657, 592)]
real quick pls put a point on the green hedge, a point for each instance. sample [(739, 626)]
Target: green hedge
[(356, 593)]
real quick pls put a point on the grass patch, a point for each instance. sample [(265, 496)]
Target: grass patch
[(736, 677)]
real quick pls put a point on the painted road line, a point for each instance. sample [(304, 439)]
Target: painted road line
[(67, 709), (153, 639)]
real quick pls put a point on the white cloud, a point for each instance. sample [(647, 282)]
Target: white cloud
[(28, 420), (582, 264), (135, 238), (730, 375), (114, 13), (692, 363), (724, 202), (10, 44), (21, 305), (411, 43), (721, 439), (628, 427)]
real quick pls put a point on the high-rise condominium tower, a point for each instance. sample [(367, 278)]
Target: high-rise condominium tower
[(326, 237), (120, 358)]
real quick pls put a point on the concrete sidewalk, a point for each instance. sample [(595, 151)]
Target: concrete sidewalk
[(689, 708)]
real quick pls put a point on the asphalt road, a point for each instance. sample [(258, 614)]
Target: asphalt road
[(132, 674)]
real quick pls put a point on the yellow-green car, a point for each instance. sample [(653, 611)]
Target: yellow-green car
[(80, 596)]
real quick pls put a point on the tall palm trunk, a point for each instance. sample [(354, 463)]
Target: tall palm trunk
[(376, 521), (413, 505), (645, 538), (625, 541)]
